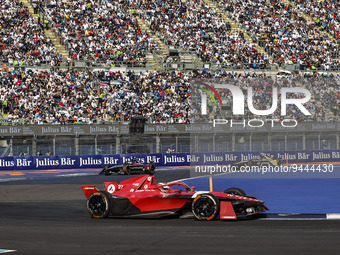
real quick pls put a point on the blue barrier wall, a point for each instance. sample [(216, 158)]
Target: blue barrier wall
[(160, 159)]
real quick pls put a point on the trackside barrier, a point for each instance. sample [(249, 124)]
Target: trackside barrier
[(161, 159)]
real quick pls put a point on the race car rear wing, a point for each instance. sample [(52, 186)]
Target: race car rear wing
[(88, 190)]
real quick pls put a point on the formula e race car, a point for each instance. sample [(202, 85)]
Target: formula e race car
[(128, 167), (264, 160), (142, 197)]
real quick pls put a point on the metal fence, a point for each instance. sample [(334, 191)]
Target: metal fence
[(162, 143)]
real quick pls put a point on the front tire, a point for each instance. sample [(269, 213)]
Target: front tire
[(205, 207), (98, 204), (235, 191)]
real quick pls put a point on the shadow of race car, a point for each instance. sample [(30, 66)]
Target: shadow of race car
[(264, 160), (129, 167), (143, 197)]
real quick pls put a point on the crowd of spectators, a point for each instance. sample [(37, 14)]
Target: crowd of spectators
[(284, 33), (108, 31), (84, 97), (22, 40), (39, 97), (327, 93), (194, 26), (325, 14), (98, 30)]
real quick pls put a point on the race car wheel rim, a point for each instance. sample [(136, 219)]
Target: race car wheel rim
[(205, 207), (97, 206)]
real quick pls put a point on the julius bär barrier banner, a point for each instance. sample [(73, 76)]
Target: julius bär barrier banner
[(218, 126), (162, 159)]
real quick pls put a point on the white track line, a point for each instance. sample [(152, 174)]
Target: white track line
[(6, 251), (291, 219), (333, 216)]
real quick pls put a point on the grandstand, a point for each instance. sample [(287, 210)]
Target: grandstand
[(23, 41), (286, 34), (230, 35), (103, 62)]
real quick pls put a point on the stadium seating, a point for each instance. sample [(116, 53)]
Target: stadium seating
[(325, 14), (100, 31), (194, 26), (284, 33), (23, 41), (62, 97)]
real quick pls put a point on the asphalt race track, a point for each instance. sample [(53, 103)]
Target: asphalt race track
[(49, 216)]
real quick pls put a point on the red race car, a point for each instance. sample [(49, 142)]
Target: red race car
[(142, 197)]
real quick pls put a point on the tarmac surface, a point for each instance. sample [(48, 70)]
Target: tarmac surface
[(49, 216)]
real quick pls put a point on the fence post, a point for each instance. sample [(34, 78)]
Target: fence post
[(196, 143), (233, 144), (214, 143), (54, 146), (250, 142), (96, 145), (269, 141), (11, 147), (304, 141), (117, 144), (158, 141), (34, 146), (76, 144)]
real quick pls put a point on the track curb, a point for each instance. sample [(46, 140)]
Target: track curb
[(299, 216)]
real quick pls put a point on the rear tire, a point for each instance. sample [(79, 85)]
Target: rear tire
[(205, 207), (126, 169), (98, 204), (235, 191), (106, 170), (238, 165), (151, 169)]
